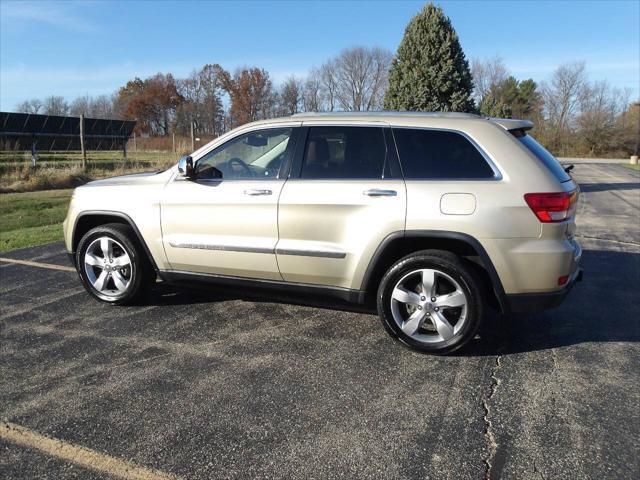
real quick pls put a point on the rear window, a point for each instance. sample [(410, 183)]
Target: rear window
[(439, 154), (543, 155)]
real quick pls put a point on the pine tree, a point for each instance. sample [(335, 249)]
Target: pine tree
[(430, 71)]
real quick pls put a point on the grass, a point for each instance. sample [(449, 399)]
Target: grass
[(55, 170), (33, 218), (632, 167)]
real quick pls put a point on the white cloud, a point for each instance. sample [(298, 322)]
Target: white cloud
[(61, 15)]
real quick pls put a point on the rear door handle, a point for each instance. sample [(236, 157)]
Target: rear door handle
[(256, 192), (378, 192)]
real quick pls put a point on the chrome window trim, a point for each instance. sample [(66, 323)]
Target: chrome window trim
[(497, 173)]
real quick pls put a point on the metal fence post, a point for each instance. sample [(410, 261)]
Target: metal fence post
[(84, 152), (34, 155)]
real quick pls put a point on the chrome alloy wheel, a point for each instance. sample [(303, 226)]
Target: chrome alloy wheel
[(429, 306), (108, 267)]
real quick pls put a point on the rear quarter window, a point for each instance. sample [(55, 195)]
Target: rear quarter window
[(543, 155), (439, 154)]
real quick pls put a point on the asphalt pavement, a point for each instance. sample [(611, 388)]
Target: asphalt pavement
[(226, 385)]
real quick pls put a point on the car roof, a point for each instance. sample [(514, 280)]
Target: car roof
[(404, 116)]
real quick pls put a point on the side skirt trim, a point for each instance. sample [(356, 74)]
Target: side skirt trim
[(180, 277)]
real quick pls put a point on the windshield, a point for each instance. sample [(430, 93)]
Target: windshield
[(543, 155)]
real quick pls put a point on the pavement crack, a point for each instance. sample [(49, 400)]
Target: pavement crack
[(490, 439)]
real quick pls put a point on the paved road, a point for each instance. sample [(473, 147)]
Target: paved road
[(216, 386)]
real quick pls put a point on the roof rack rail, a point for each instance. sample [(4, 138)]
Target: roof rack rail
[(382, 113)]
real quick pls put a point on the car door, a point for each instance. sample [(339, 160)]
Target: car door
[(224, 221), (344, 196)]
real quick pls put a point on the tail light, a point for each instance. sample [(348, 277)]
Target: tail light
[(552, 207)]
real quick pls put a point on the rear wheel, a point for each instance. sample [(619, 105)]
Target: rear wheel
[(430, 301), (112, 266)]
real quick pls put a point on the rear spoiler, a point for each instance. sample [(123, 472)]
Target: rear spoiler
[(512, 124)]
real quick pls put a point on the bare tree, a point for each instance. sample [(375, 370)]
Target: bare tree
[(56, 105), (360, 75), (81, 106), (102, 106), (562, 97), (29, 106), (290, 96), (329, 81), (487, 73), (599, 125), (312, 98)]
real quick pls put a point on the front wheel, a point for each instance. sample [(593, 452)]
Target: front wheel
[(430, 301), (111, 264)]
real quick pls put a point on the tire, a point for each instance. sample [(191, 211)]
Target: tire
[(121, 278), (409, 313)]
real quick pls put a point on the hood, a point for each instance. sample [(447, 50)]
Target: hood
[(129, 179)]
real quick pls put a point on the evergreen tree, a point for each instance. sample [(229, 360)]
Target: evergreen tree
[(512, 99), (430, 71)]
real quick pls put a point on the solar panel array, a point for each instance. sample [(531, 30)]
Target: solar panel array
[(22, 131)]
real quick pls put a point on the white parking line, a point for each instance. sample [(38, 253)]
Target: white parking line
[(79, 455), (37, 264)]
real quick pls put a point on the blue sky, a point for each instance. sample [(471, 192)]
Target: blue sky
[(73, 48)]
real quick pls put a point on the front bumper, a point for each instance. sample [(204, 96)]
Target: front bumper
[(537, 302)]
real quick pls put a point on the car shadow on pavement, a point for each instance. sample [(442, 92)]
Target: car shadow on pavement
[(602, 308), (603, 187)]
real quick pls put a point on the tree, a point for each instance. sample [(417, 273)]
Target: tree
[(251, 94), (153, 102), (29, 106), (328, 78), (290, 97), (511, 98), (312, 97), (430, 71), (562, 97), (55, 105), (486, 74), (80, 106), (361, 77), (599, 128)]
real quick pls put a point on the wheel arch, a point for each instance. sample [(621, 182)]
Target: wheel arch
[(399, 244), (87, 220)]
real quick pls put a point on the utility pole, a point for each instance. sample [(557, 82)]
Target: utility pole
[(173, 142), (84, 152), (193, 137)]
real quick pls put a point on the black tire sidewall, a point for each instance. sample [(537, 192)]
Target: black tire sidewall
[(453, 267), (120, 235)]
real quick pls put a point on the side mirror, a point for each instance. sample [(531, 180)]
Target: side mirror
[(185, 166)]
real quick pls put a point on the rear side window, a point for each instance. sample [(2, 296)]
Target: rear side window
[(439, 154), (543, 155), (344, 152)]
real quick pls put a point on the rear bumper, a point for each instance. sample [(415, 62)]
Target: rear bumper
[(537, 302)]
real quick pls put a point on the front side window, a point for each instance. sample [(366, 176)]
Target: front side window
[(344, 152), (255, 155), (439, 154)]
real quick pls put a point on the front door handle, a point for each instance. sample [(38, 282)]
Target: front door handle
[(256, 192), (378, 192)]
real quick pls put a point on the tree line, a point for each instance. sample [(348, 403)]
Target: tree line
[(429, 72)]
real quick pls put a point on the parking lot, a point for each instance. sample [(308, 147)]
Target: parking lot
[(223, 385)]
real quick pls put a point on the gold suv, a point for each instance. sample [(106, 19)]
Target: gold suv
[(434, 216)]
